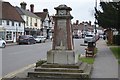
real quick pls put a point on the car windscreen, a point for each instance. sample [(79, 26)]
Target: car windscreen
[(89, 35)]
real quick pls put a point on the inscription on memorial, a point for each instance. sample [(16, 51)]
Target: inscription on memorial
[(62, 33)]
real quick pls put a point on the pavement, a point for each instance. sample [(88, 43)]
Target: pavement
[(105, 65), (11, 44)]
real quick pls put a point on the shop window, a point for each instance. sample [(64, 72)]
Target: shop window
[(9, 36)]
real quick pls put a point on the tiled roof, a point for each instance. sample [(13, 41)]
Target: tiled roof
[(25, 12), (81, 27), (10, 13), (42, 15)]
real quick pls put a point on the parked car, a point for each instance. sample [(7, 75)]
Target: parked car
[(26, 39), (2, 43), (40, 39), (89, 38)]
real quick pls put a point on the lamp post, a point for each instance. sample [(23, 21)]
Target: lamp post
[(95, 21), (95, 18)]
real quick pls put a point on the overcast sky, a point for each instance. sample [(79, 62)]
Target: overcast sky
[(82, 10)]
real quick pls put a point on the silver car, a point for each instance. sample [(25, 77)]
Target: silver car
[(89, 38), (40, 39)]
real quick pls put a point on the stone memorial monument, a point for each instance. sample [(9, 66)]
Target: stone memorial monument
[(61, 58), (62, 49)]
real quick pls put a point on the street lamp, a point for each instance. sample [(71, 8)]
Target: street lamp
[(95, 18), (95, 21)]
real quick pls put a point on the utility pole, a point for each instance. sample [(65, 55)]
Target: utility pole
[(95, 18), (95, 21)]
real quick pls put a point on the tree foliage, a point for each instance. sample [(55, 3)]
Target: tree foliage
[(109, 16)]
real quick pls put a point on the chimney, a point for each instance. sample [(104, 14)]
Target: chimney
[(32, 8), (45, 10), (77, 21), (23, 5), (90, 23)]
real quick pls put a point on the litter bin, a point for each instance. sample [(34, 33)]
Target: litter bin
[(91, 44), (90, 49)]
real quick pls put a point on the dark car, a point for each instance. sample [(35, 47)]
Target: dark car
[(26, 39)]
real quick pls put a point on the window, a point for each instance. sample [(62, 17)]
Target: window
[(36, 23), (30, 21), (9, 36), (27, 21), (12, 23), (19, 24), (0, 22), (7, 22), (36, 20)]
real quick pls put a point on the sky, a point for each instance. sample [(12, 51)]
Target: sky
[(82, 10)]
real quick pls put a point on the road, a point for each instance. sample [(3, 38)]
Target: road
[(18, 56)]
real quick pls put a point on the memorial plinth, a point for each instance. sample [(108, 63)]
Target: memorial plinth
[(61, 57)]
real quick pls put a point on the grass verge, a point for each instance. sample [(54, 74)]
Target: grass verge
[(89, 60), (116, 52)]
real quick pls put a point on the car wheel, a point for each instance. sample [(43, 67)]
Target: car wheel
[(34, 42), (40, 41), (85, 41), (3, 45)]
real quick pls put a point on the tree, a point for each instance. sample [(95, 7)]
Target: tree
[(108, 17)]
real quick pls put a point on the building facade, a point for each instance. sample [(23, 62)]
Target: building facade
[(81, 29), (32, 21), (11, 23), (45, 19)]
